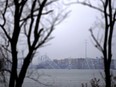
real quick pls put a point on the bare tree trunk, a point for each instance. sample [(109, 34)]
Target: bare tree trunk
[(107, 75), (23, 70), (13, 75), (109, 17), (31, 19)]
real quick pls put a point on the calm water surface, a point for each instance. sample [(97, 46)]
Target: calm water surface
[(63, 77)]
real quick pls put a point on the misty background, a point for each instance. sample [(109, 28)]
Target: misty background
[(72, 38)]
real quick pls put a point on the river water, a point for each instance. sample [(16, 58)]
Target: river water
[(64, 77)]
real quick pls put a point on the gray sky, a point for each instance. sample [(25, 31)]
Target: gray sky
[(71, 35)]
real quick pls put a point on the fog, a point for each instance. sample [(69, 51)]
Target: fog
[(72, 38)]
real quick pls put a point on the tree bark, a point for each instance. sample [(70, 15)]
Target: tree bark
[(13, 75), (23, 71)]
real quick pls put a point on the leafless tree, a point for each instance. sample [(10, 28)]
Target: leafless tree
[(30, 22), (108, 11), (3, 74)]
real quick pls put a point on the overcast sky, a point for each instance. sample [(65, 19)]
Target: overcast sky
[(72, 36)]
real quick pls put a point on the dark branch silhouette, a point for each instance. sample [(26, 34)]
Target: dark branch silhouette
[(109, 13), (35, 20)]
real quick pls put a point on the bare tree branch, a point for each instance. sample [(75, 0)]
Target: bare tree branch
[(109, 14), (90, 5), (27, 19), (98, 45)]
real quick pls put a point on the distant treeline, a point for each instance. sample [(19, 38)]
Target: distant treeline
[(75, 63)]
